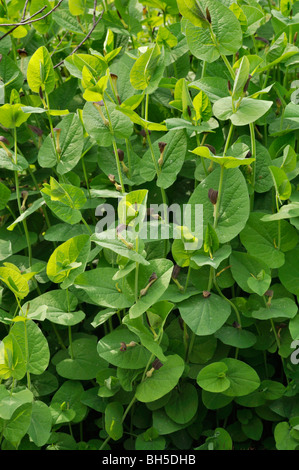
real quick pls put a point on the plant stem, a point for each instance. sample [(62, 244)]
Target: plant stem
[(19, 203), (253, 152), (114, 148), (69, 327)]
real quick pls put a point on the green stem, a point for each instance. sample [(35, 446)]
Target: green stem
[(253, 152), (115, 149), (69, 327), (216, 215), (19, 204), (188, 277), (136, 273)]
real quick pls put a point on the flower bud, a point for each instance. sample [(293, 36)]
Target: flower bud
[(247, 83), (206, 294), (162, 146), (211, 148), (121, 155), (22, 53), (36, 130), (175, 271), (208, 16), (157, 364), (213, 196)]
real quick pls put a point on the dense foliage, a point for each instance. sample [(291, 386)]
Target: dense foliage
[(110, 339)]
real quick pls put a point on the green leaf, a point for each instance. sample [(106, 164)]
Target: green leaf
[(65, 200), (233, 207), (4, 195), (223, 37), (113, 420), (173, 159), (11, 116), (70, 146), (192, 10), (281, 183), (9, 402), (18, 425), (261, 238), (226, 161), (14, 281), (148, 70), (289, 272), (96, 127), (12, 361), (68, 260), (220, 255), (33, 344), (242, 74), (40, 72), (236, 337), (251, 273), (279, 308), (98, 287), (243, 378), (134, 357), (249, 110), (86, 362), (212, 378), (161, 381), (183, 404), (204, 316), (40, 424), (163, 269)]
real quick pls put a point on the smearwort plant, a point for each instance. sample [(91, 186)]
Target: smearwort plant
[(110, 339)]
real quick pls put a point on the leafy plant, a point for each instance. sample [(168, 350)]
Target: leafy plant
[(149, 213)]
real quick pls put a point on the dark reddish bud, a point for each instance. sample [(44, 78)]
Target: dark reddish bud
[(213, 196), (269, 293), (99, 103), (206, 294), (22, 53), (143, 133), (248, 154), (4, 140), (123, 346), (114, 77), (211, 148), (295, 37), (189, 111), (162, 146), (237, 56), (36, 130), (278, 102), (264, 40), (111, 178), (247, 83), (153, 277), (229, 86), (175, 271), (208, 15), (40, 92), (236, 325), (157, 364), (121, 155)]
